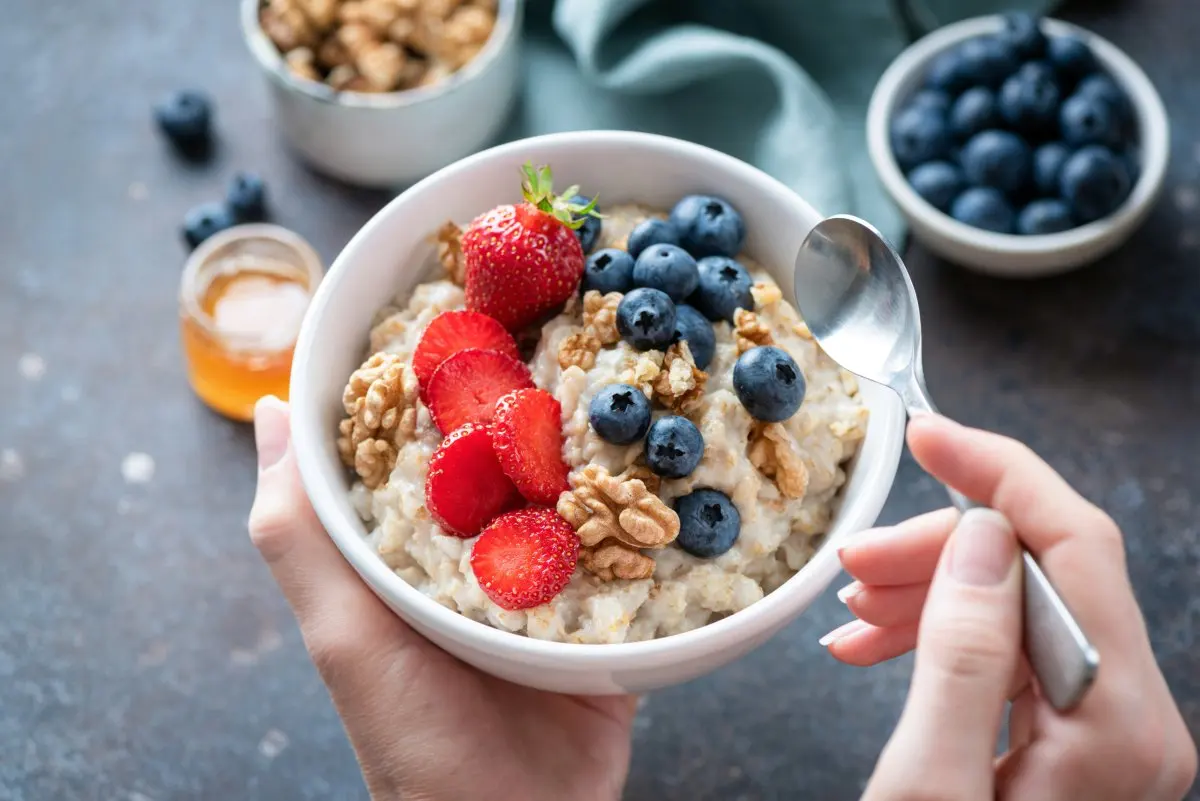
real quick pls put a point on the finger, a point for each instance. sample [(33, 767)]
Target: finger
[(345, 626), (903, 554), (1077, 544), (885, 606), (968, 648), (862, 645), (1021, 718)]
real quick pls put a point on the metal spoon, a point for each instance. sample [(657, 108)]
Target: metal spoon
[(858, 301)]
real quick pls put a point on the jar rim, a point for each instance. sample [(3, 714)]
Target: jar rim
[(303, 256)]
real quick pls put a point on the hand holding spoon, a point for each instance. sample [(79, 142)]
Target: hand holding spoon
[(856, 297)]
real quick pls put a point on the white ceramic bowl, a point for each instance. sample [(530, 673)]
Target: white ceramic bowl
[(392, 253), (394, 139), (1005, 254)]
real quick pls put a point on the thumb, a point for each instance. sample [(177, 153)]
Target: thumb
[(968, 650)]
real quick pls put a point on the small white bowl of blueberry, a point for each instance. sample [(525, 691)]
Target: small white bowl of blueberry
[(1019, 146)]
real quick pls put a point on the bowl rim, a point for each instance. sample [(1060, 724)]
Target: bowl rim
[(267, 54), (1152, 116), (772, 611)]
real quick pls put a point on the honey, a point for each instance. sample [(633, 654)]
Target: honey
[(242, 301)]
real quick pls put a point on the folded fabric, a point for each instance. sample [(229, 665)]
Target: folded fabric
[(782, 84)]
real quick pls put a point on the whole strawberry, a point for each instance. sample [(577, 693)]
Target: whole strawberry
[(524, 261)]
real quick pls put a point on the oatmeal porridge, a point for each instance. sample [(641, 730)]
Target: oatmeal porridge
[(661, 503)]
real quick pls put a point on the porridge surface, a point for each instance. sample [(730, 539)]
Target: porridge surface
[(778, 533)]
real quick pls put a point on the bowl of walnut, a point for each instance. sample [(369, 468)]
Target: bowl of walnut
[(381, 93)]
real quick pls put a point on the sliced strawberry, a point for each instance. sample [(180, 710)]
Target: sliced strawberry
[(452, 331), (465, 388), (466, 488), (525, 558), (527, 435), (523, 262)]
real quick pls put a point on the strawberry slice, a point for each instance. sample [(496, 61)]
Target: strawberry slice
[(452, 331), (465, 488), (527, 435), (523, 261), (525, 558), (465, 388)]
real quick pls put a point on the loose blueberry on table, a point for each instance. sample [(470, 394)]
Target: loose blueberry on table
[(247, 198), (185, 118), (205, 220), (1019, 132)]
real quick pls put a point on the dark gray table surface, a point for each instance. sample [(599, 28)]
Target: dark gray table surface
[(144, 651)]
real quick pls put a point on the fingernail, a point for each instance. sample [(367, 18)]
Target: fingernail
[(849, 591), (842, 632), (271, 430), (984, 548)]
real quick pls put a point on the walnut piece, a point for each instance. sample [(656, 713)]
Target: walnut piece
[(765, 293), (578, 350), (286, 25), (600, 315), (776, 454), (750, 331), (381, 409), (302, 63), (599, 329), (611, 560), (679, 386), (615, 517), (449, 252)]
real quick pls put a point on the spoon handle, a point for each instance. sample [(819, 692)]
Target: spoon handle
[(1063, 660)]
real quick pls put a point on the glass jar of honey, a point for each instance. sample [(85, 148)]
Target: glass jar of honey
[(241, 301)]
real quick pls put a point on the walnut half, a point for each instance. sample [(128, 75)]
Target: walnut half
[(750, 331), (615, 517), (381, 409), (449, 252), (776, 454), (599, 329)]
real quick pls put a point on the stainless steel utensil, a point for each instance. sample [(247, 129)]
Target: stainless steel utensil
[(855, 294)]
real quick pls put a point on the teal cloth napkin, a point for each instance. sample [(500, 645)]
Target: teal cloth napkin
[(782, 84)]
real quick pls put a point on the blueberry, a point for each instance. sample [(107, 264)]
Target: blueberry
[(919, 135), (1102, 87), (984, 207), (709, 523), (939, 182), (974, 111), (997, 159), (669, 268), (708, 226), (724, 288), (247, 198), (986, 61), (620, 414), (1071, 57), (1095, 182), (589, 232), (673, 447), (608, 270), (948, 73), (652, 231), (932, 99), (697, 331), (1023, 32), (646, 319), (1029, 99), (203, 221), (1048, 161), (1086, 120), (186, 118), (769, 383), (1044, 217)]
